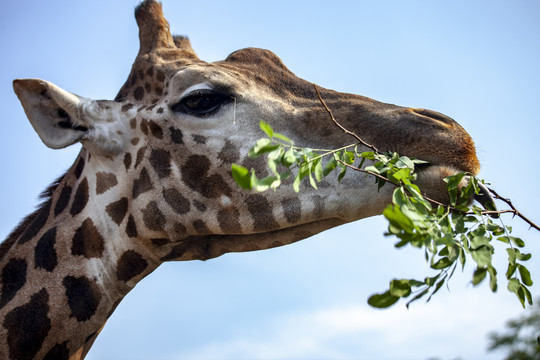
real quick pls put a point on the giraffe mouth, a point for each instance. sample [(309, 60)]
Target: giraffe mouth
[(431, 181)]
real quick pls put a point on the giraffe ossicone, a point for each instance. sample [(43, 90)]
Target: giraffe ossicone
[(152, 182)]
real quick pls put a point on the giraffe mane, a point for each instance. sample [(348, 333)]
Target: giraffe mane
[(45, 196)]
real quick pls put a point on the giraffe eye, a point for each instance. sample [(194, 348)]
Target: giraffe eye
[(201, 102)]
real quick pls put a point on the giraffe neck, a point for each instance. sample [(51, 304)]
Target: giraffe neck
[(67, 271)]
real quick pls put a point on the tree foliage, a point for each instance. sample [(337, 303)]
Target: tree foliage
[(448, 234), (521, 339)]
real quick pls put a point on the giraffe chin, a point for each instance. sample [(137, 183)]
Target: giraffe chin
[(206, 247)]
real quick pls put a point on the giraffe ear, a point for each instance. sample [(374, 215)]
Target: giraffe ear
[(53, 112), (61, 118)]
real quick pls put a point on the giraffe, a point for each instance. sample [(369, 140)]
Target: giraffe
[(152, 181)]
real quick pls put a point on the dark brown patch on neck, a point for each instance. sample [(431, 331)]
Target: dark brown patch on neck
[(142, 184), (58, 352), (80, 199), (83, 297), (13, 279), (45, 253), (27, 327), (117, 210), (153, 217), (105, 181), (130, 265), (87, 241)]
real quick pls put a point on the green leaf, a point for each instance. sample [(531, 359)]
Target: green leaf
[(511, 270), (383, 300), (525, 275), (289, 157), (402, 174), (437, 287), (318, 170), (283, 138), (443, 263), (399, 198), (400, 288), (479, 275), (368, 155), (517, 241), (262, 146), (430, 281), (330, 166), (527, 295), (397, 219), (417, 296), (482, 256), (342, 173), (514, 285), (453, 181), (265, 183), (492, 278), (405, 162), (302, 173), (241, 176), (266, 128)]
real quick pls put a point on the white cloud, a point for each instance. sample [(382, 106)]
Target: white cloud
[(450, 326)]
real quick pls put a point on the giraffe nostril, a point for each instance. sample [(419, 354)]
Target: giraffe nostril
[(434, 115)]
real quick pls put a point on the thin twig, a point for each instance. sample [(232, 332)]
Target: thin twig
[(514, 210), (340, 126)]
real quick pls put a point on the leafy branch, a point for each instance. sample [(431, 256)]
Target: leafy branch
[(449, 234)]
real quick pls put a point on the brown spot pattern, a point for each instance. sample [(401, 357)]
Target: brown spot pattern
[(83, 297), (228, 220), (127, 160), (199, 139), (261, 213), (58, 352), (79, 168), (63, 200), (176, 201), (117, 210), (176, 135), (131, 227), (142, 184), (105, 181), (80, 199), (292, 208), (44, 252), (130, 265), (199, 205), (153, 217), (161, 162), (87, 241), (138, 93), (194, 174), (155, 129), (200, 227), (140, 156), (126, 107), (13, 279), (27, 327), (37, 224), (229, 153)]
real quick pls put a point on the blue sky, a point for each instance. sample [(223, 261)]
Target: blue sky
[(474, 61)]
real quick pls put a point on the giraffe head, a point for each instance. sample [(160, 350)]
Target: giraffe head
[(157, 158)]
